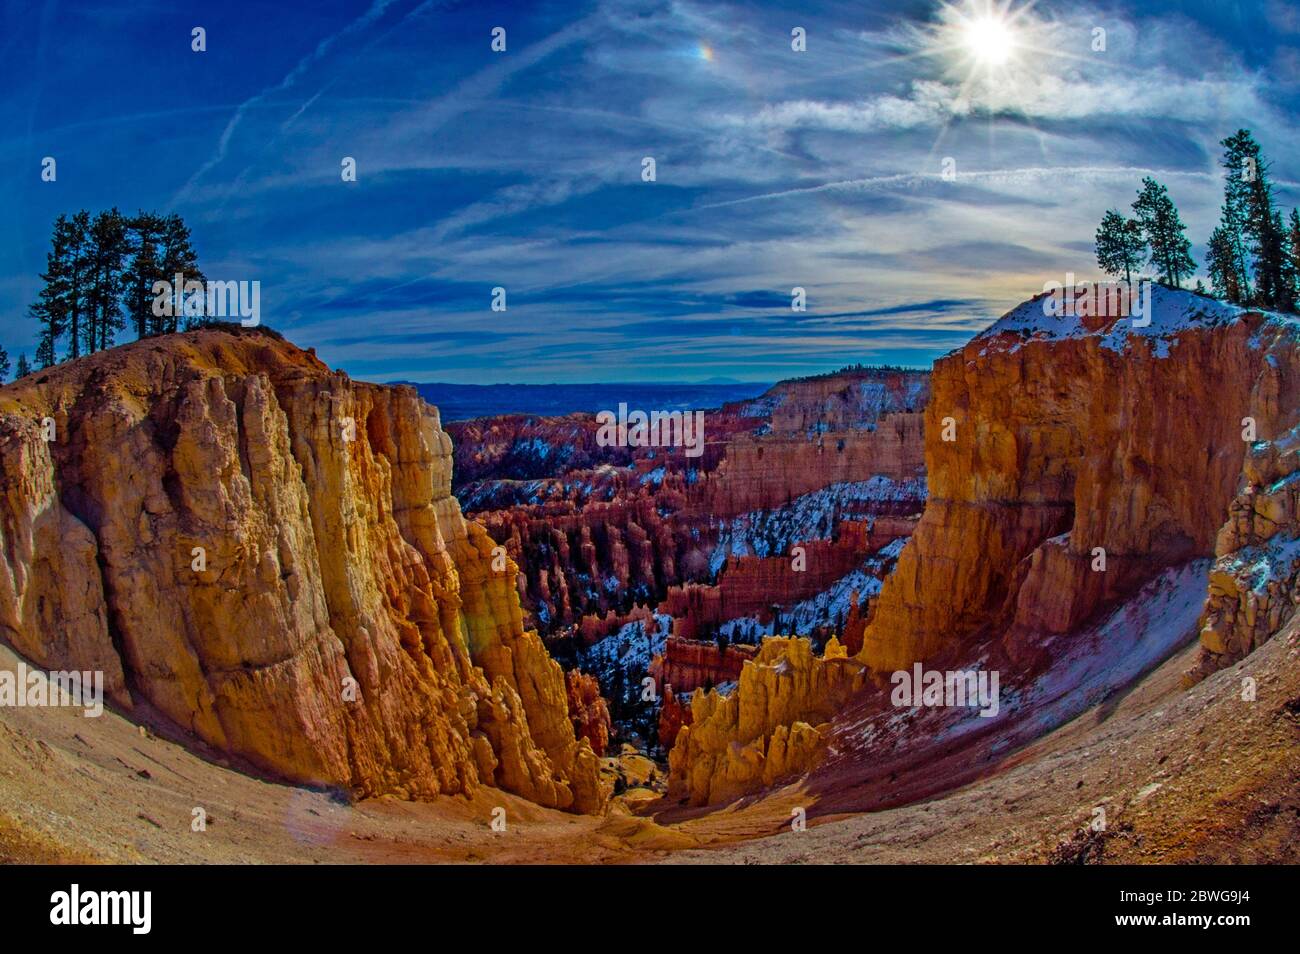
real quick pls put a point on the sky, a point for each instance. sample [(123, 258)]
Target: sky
[(919, 168)]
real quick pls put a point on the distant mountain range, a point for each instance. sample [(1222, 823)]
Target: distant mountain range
[(461, 402)]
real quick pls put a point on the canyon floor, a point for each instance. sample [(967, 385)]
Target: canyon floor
[(1193, 775)]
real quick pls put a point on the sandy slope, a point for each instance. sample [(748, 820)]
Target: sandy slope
[(1193, 775)]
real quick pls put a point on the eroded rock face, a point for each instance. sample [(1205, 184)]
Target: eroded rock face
[(686, 665), (269, 553), (775, 725), (588, 710), (1255, 583), (1068, 441), (1068, 465)]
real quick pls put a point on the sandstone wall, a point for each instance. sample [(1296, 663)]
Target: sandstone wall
[(345, 625), (1069, 444), (687, 664)]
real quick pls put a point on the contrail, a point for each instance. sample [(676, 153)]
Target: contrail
[(874, 182), (324, 46)]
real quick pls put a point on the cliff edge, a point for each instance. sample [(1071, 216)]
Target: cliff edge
[(269, 554)]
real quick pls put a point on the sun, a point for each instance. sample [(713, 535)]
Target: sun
[(989, 39), (982, 39)]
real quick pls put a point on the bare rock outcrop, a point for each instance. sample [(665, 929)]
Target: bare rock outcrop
[(588, 710), (776, 724), (689, 664), (269, 553), (1069, 464), (1255, 581)]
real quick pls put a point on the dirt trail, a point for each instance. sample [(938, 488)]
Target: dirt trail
[(1195, 775)]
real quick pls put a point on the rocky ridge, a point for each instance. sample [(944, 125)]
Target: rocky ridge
[(268, 555), (1029, 533)]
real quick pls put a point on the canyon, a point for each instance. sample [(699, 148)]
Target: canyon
[(787, 522), (644, 656), (1030, 535)]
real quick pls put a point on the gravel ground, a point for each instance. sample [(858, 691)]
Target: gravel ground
[(1182, 776)]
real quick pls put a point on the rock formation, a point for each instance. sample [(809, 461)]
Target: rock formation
[(1255, 582), (1024, 506), (270, 555), (588, 711), (687, 664), (775, 725), (1069, 464)]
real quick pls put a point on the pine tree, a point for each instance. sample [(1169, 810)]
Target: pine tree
[(1223, 264), (51, 306), (145, 232), (178, 258), (1293, 246), (1248, 200), (1240, 159), (108, 251), (77, 296), (4, 364), (1284, 298), (1164, 232), (62, 305), (1121, 246), (24, 368)]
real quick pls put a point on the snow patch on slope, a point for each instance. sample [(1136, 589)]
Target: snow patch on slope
[(811, 516), (1172, 311)]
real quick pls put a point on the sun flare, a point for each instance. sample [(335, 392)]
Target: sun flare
[(989, 40), (981, 38)]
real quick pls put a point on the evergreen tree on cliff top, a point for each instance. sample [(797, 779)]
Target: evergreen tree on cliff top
[(1164, 232), (1223, 262), (99, 276), (1121, 246), (1252, 220)]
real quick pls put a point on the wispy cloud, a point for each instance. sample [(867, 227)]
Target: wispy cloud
[(522, 169)]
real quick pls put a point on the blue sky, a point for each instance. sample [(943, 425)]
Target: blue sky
[(522, 169)]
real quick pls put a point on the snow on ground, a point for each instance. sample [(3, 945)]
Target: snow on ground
[(1259, 566), (828, 608), (1137, 636), (630, 649), (1171, 311), (877, 399), (764, 405), (812, 516), (1088, 667)]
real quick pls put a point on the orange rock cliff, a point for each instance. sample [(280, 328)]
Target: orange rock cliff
[(1067, 466), (268, 554), (1070, 445)]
